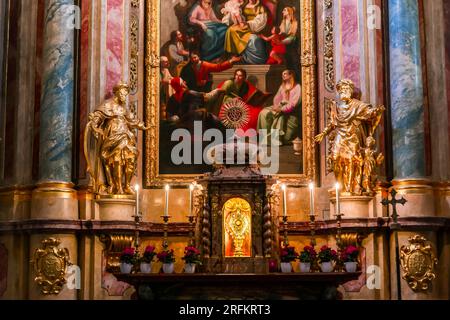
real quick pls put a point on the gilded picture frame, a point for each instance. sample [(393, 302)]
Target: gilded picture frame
[(152, 176)]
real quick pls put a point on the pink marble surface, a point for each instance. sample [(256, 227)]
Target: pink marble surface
[(84, 70), (114, 44), (447, 56), (350, 41)]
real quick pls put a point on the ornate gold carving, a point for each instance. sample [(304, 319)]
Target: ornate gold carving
[(418, 262), (135, 3), (114, 246), (330, 112), (50, 264), (113, 125), (237, 215), (152, 116), (134, 51), (328, 54), (353, 156), (328, 4), (351, 239)]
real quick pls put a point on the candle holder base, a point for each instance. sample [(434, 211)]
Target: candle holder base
[(352, 206), (115, 209)]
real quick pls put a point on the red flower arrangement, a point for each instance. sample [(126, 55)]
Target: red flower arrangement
[(128, 256), (192, 255), (166, 256), (288, 254), (308, 255), (149, 254), (327, 254), (350, 254)]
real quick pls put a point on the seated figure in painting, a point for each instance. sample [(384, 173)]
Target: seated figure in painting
[(213, 30), (242, 102), (197, 73), (177, 52), (283, 115), (244, 40)]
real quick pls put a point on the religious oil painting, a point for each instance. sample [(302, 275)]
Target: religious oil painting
[(229, 70)]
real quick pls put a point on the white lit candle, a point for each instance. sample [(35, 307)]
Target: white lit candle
[(283, 187), (136, 187), (166, 209), (338, 205), (311, 199), (191, 191)]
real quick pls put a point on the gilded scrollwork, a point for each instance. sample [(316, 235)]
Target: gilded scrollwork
[(418, 262), (328, 54), (50, 265), (134, 51)]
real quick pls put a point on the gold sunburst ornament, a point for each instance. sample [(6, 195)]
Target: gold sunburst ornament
[(50, 265), (235, 114), (418, 262)]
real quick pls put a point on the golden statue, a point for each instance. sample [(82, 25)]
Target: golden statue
[(112, 124), (237, 215), (351, 129)]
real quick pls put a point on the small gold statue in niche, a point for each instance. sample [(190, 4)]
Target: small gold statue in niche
[(113, 126), (351, 129), (237, 224)]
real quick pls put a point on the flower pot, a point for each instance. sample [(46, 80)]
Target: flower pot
[(168, 267), (305, 267), (350, 266), (125, 267), (286, 267), (146, 267), (327, 266), (189, 268)]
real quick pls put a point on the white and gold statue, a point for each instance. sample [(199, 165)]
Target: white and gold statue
[(351, 128), (113, 126)]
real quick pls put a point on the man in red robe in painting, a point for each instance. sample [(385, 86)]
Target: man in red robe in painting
[(197, 73)]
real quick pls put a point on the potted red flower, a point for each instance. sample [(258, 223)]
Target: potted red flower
[(191, 258), (350, 258), (307, 256), (167, 257), (127, 260), (326, 258), (147, 259), (287, 255)]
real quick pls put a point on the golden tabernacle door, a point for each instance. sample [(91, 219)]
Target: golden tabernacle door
[(237, 223)]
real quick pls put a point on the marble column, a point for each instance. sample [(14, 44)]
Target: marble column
[(57, 106), (55, 197), (407, 100)]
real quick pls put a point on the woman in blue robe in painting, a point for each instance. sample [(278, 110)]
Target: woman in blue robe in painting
[(212, 43)]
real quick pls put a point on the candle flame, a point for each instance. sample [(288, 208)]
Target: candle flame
[(311, 186), (136, 187), (338, 186), (167, 187), (192, 187), (283, 186)]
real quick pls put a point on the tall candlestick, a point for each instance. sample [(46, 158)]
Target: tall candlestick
[(311, 199), (191, 191), (136, 187), (283, 187), (338, 205), (166, 208)]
